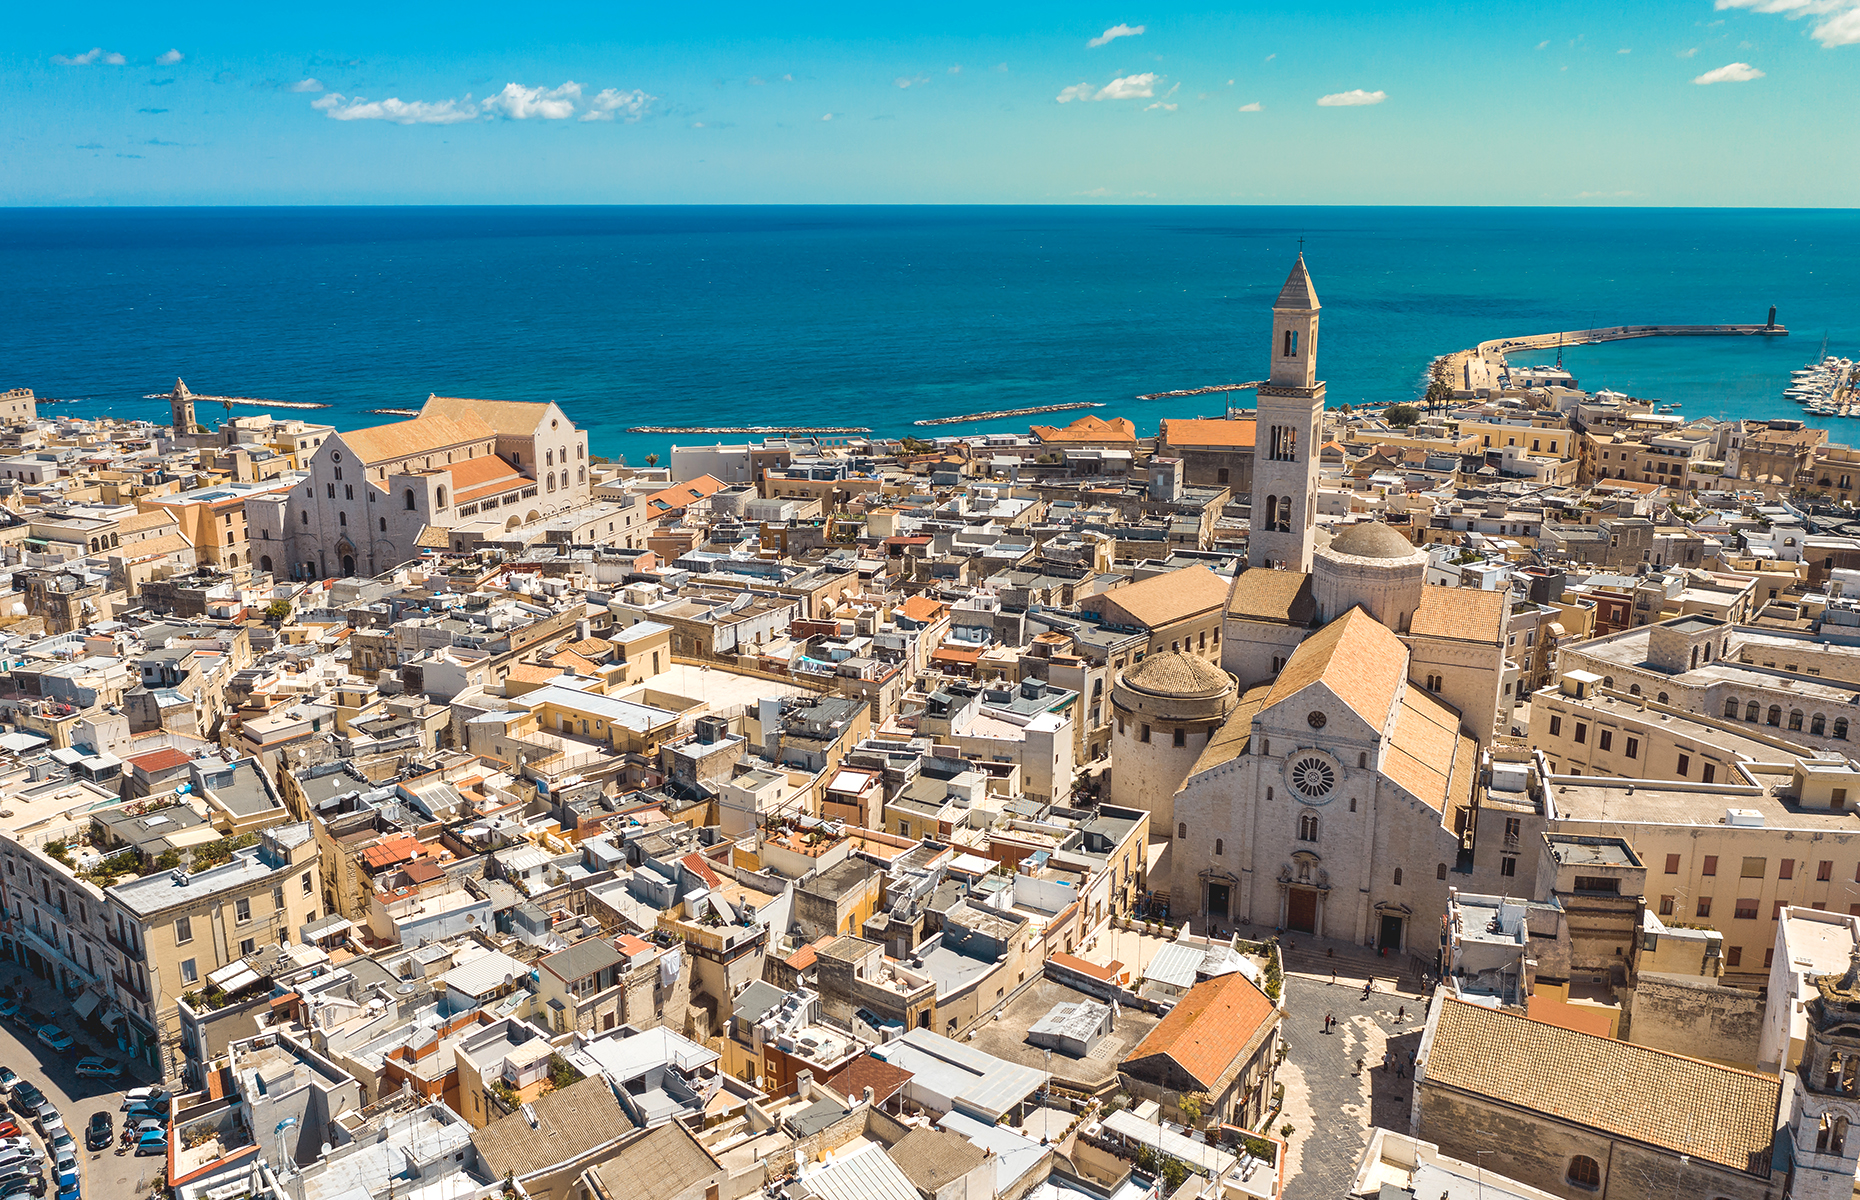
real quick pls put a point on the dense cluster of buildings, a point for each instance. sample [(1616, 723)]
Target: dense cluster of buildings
[(439, 806)]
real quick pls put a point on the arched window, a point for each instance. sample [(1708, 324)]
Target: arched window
[(342, 518), (1220, 845), (1440, 872), (1730, 709), (1818, 725), (439, 496), (1307, 827), (232, 560), (264, 564), (1751, 713), (1181, 830), (1695, 656), (1840, 729), (1608, 681), (407, 497), (552, 481), (1775, 715), (303, 516), (1633, 689), (1795, 720), (1397, 876), (1662, 698), (382, 521), (1362, 758), (581, 474), (1584, 1172), (1269, 795)]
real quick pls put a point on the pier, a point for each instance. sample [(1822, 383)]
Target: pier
[(1479, 367), (247, 401), (994, 413), (396, 412)]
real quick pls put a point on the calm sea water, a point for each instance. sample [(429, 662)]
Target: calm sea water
[(879, 315)]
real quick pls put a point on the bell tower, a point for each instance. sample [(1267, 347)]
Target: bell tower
[(1285, 440), (1821, 1099), (181, 406)]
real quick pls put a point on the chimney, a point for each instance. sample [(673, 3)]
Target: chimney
[(803, 1083)]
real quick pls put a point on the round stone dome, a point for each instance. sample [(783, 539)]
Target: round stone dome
[(1173, 673), (1371, 539)]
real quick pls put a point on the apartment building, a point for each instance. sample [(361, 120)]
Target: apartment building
[(175, 931)]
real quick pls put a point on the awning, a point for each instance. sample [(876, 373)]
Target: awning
[(330, 926), (233, 976), (87, 1003)]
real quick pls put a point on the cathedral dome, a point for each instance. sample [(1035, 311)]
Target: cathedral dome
[(1173, 673), (1371, 539)]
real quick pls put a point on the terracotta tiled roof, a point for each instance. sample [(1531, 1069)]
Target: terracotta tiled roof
[(700, 866), (681, 495), (404, 439), (159, 760), (1089, 429), (1164, 599), (1186, 432), (391, 851), (922, 608), (1463, 614), (1357, 658), (1720, 1114), (145, 520), (1262, 594), (884, 1079), (1211, 1032), (1427, 750), (1229, 741), (517, 417)]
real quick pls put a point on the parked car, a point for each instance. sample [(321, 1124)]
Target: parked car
[(21, 1143), (145, 1126), (155, 1141), (7, 1080), (99, 1133), (33, 1181), (14, 1160), (146, 1095), (47, 1117), (99, 1068), (9, 1128), (62, 1143), (66, 1163), (69, 1191), (56, 1039), (26, 1098), (23, 1188), (145, 1111), (9, 1010)]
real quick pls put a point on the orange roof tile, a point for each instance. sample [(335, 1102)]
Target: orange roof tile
[(1357, 658), (421, 435), (922, 608), (885, 1079), (681, 495), (393, 850), (1462, 614), (1089, 429), (1164, 599), (1212, 1031), (159, 760), (1181, 432)]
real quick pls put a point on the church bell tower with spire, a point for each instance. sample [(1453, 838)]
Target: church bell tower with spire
[(1286, 437)]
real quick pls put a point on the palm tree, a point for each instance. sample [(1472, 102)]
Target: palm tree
[(652, 460)]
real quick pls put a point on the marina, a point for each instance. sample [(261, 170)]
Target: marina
[(992, 414), (1827, 387)]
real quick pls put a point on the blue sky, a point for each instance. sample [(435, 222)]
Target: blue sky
[(1662, 103)]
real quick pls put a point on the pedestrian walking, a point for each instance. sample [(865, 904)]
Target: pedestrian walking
[(1401, 1069), (1328, 1022), (1401, 1014), (1333, 978)]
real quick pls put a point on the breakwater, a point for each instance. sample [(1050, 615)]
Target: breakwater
[(246, 401), (994, 413), (1203, 391), (1480, 367), (778, 430)]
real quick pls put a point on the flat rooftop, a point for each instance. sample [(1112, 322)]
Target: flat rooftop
[(1005, 1037), (1643, 802)]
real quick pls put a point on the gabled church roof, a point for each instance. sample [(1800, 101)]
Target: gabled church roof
[(1297, 292), (1357, 658)]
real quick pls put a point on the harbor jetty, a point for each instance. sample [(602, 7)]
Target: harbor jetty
[(396, 412), (994, 413), (1203, 391), (1480, 367), (247, 401), (777, 430)]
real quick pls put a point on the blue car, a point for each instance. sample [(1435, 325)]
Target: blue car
[(155, 1141), (68, 1185)]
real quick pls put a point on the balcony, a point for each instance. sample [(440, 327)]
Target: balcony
[(131, 986)]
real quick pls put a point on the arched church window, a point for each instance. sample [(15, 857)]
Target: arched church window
[(1307, 827), (1818, 725), (1220, 846), (1397, 876), (1750, 714), (1181, 830), (1440, 872), (1584, 1172)]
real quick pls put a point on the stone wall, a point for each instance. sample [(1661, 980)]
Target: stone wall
[(1696, 1016)]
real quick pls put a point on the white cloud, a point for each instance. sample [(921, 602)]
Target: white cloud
[(96, 54), (1129, 87), (546, 104), (169, 59), (827, 117), (904, 81), (1736, 72), (1837, 24), (1078, 91), (307, 85), (1116, 31), (1688, 53), (337, 107), (1161, 105), (1352, 98), (613, 104), (1256, 106), (1270, 57), (1543, 44), (956, 70)]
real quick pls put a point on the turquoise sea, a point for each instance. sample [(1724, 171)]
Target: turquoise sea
[(880, 315)]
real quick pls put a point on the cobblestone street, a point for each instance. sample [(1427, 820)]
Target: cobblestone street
[(1328, 1103)]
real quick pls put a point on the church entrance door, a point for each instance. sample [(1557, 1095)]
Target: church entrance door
[(1218, 900), (348, 564), (1391, 935), (1301, 911)]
